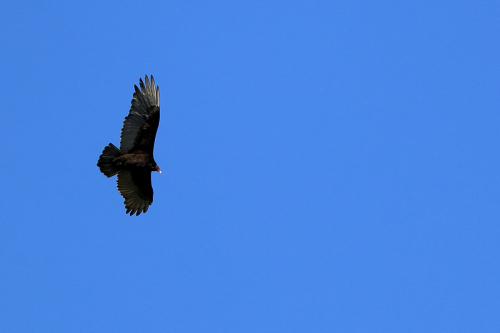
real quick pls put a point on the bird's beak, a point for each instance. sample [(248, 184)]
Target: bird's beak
[(158, 169)]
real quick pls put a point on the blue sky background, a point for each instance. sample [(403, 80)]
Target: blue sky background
[(327, 167)]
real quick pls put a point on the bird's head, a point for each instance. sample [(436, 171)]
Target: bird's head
[(153, 166)]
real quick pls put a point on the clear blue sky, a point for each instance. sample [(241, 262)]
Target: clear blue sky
[(327, 167)]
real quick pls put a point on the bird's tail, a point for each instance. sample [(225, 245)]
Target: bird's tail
[(105, 162)]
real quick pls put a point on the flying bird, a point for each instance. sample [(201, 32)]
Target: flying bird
[(134, 161)]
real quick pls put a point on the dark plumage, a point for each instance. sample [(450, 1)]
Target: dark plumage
[(134, 161)]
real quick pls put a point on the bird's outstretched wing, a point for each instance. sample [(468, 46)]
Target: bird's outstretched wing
[(135, 187), (140, 126)]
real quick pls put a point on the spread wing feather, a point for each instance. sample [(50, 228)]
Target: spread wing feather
[(140, 125), (135, 187)]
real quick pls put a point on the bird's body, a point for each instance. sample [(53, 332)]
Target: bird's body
[(134, 161)]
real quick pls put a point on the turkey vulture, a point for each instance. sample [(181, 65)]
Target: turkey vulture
[(134, 161)]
